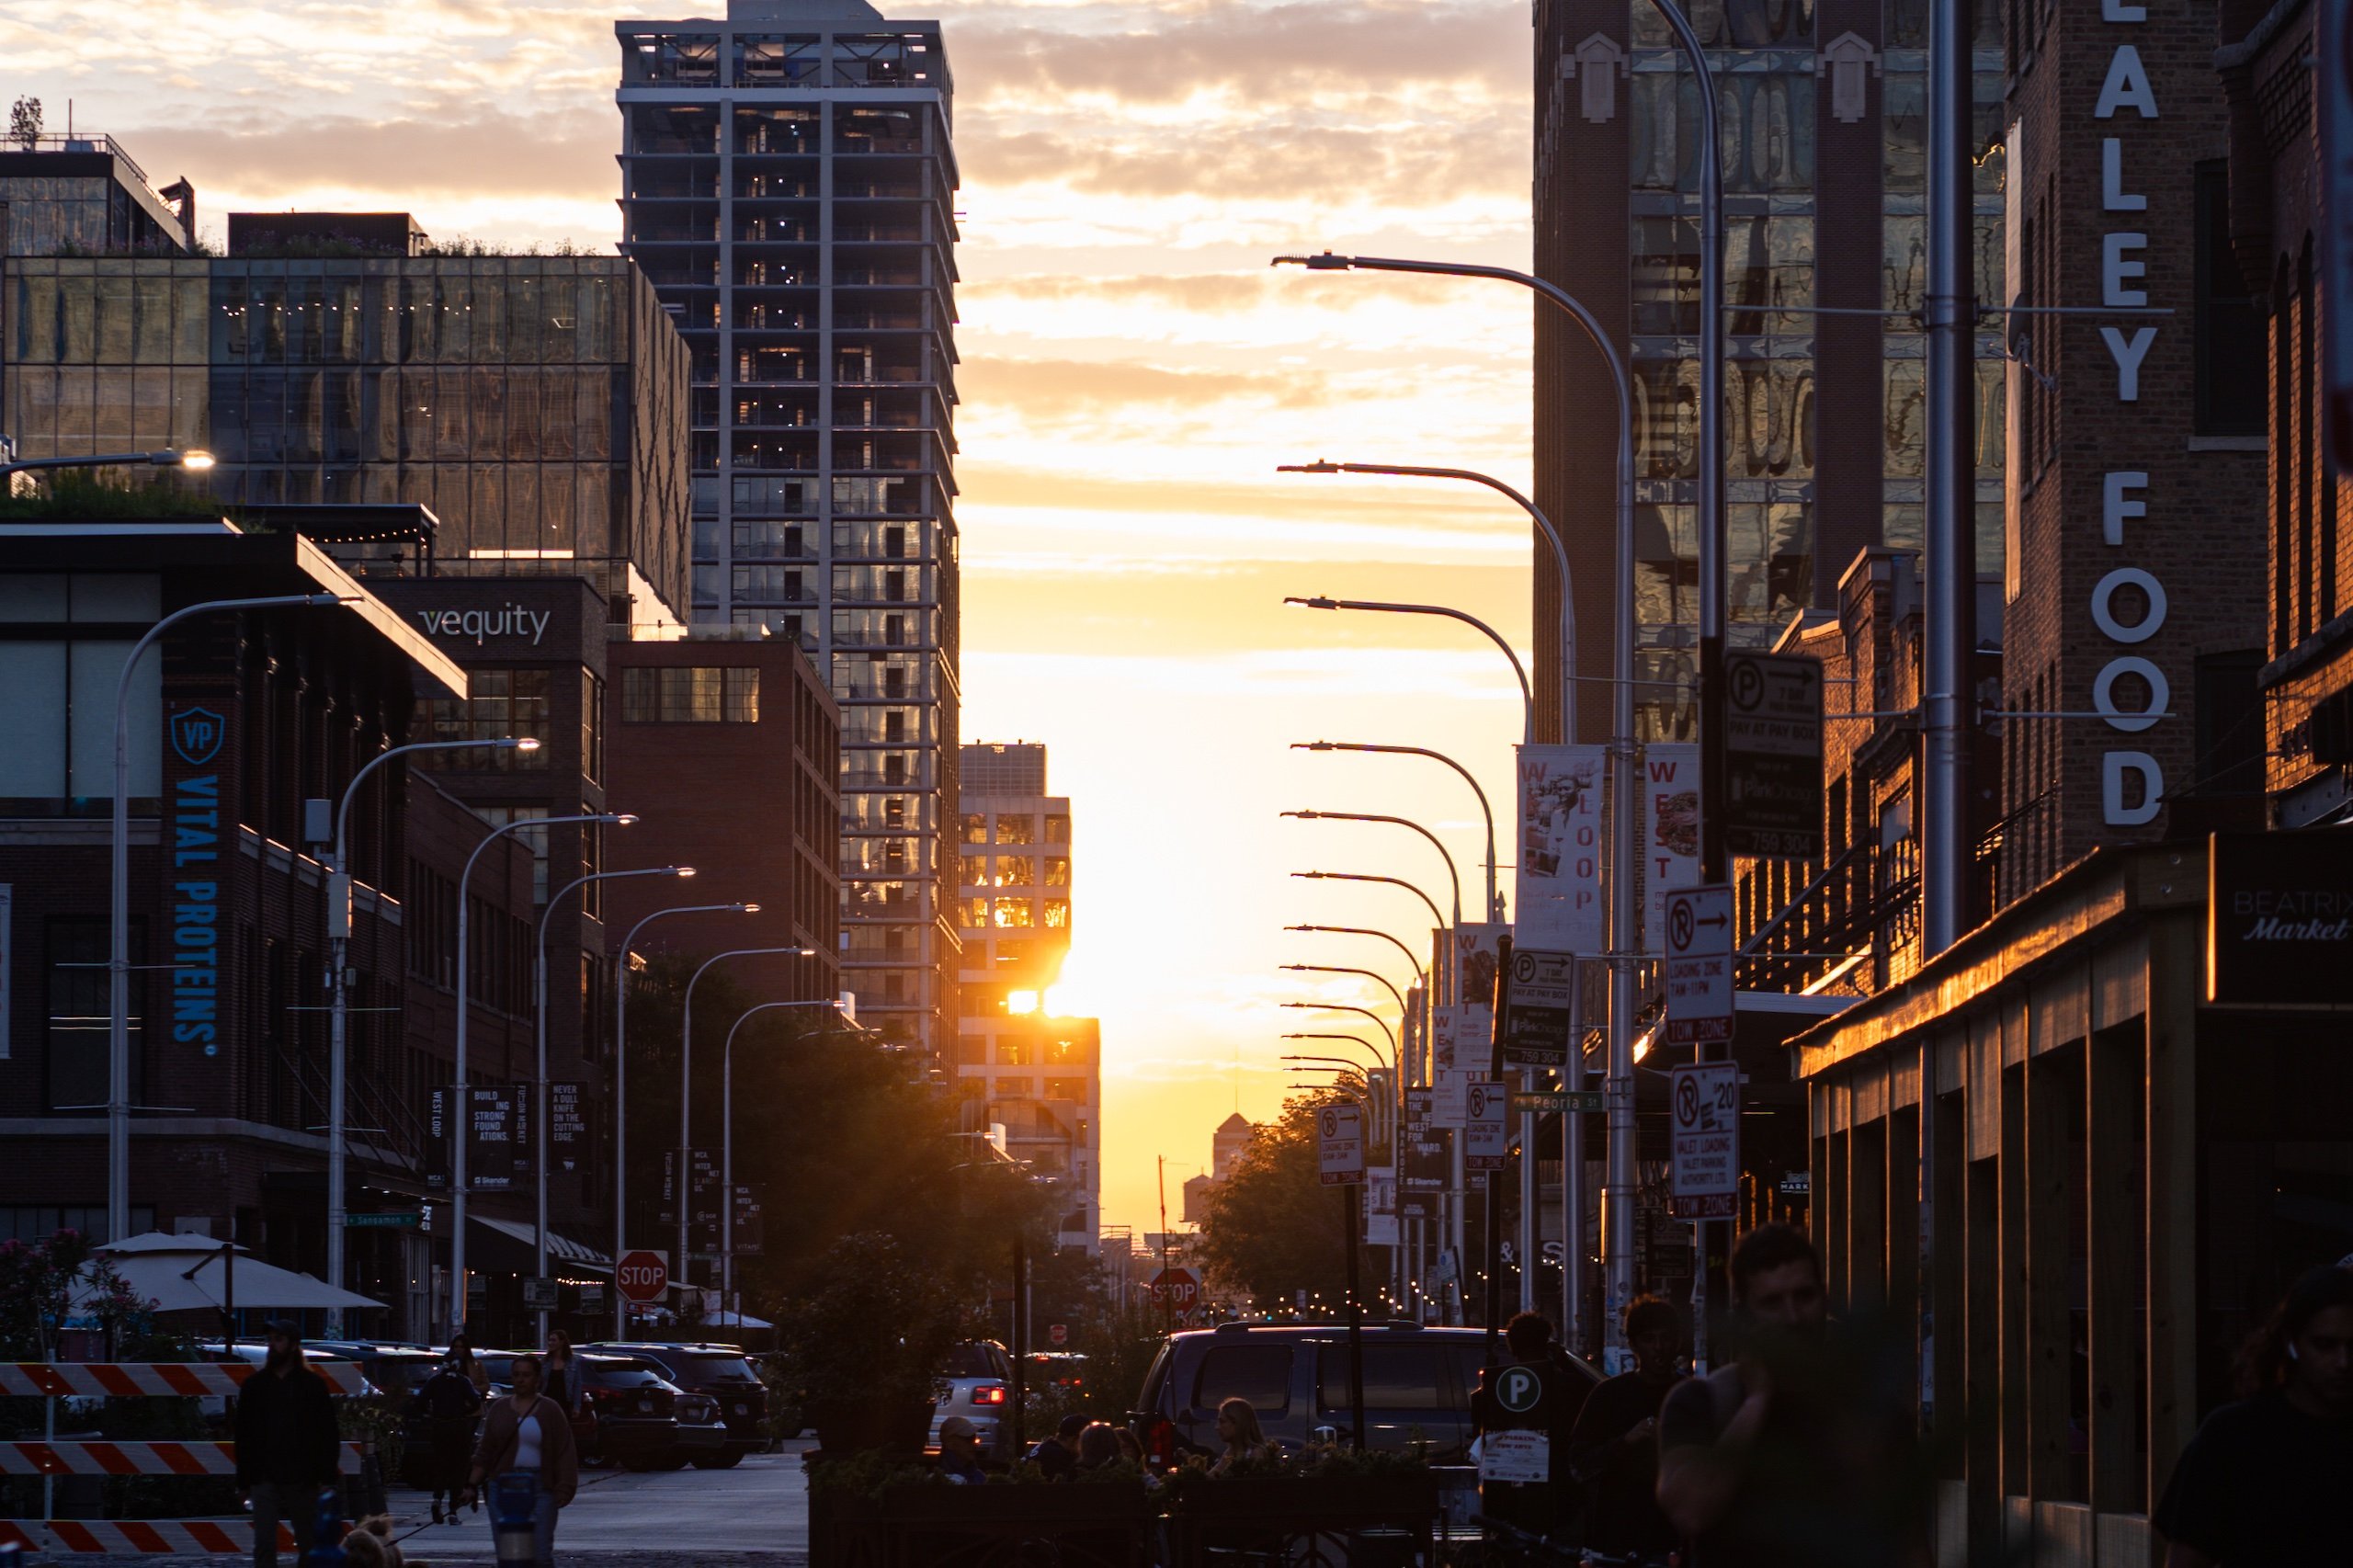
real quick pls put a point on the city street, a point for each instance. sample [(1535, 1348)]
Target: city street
[(759, 1510)]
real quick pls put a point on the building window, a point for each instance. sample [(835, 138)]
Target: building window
[(2230, 338), (1057, 828), (78, 1013), (1073, 1089), (1015, 872), (976, 827), (1015, 830), (533, 838), (690, 694), (592, 728), (1058, 870), (1058, 915), (976, 912), (501, 703), (1014, 913)]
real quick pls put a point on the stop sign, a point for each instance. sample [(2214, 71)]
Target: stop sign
[(1058, 1333), (1179, 1288), (642, 1276)]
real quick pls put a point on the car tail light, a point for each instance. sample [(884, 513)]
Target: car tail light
[(988, 1393), (1160, 1441)]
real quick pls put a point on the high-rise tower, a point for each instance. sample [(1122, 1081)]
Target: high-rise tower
[(788, 186)]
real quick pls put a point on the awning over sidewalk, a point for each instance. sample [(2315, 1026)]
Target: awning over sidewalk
[(511, 1246)]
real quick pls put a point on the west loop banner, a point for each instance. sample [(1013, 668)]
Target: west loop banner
[(1557, 884), (1670, 790)]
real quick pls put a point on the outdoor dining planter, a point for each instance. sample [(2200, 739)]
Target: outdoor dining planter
[(909, 1524), (1306, 1520)]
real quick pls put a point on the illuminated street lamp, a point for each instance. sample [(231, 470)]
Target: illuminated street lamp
[(11, 464)]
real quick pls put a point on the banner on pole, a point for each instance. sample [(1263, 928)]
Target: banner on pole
[(1670, 829), (1557, 883)]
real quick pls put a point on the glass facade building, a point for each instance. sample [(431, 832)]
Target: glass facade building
[(83, 195), (535, 405), (788, 186), (1824, 119)]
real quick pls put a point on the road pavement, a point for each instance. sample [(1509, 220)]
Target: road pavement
[(755, 1516)]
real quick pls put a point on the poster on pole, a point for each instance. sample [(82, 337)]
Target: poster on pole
[(567, 1124), (1340, 1143), (1670, 830), (1543, 1010), (1556, 885), (498, 1131), (1380, 1209), (1486, 1139)]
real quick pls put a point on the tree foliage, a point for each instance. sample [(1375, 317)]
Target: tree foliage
[(1271, 1228)]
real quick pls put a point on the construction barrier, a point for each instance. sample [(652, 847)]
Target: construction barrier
[(124, 1380), (60, 1456), (139, 1538)]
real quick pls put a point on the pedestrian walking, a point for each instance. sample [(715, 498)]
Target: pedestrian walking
[(444, 1408), (288, 1448), (461, 1351), (563, 1376), (528, 1433), (1246, 1440), (1614, 1446), (959, 1450), (1802, 1451), (1057, 1457), (2263, 1481)]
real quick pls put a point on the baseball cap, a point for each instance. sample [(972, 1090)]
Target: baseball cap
[(1072, 1426), (957, 1427)]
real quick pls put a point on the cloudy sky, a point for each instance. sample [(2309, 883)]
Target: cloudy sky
[(1132, 373)]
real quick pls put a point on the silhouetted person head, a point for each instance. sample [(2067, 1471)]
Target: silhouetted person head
[(1777, 1278), (2305, 1346), (1655, 1334), (1530, 1336)]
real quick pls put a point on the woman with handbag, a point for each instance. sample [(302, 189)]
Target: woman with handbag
[(528, 1433)]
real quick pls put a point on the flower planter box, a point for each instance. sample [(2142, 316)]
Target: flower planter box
[(1093, 1525), (1306, 1522)]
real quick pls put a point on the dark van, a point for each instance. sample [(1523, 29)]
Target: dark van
[(1417, 1386)]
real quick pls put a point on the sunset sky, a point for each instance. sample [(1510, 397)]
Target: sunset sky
[(1132, 373)]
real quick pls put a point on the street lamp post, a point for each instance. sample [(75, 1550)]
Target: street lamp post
[(461, 1114), (727, 1146), (1453, 876), (1386, 1032), (1373, 975), (11, 464), (339, 992), (620, 1088), (540, 1076), (1386, 606), (1411, 962), (119, 895), (685, 1178), (1494, 898)]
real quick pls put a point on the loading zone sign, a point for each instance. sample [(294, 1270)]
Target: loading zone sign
[(1487, 1134), (1698, 965), (1704, 1103), (1339, 1145)]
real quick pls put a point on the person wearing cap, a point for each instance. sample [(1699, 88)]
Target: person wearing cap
[(960, 1443), (1057, 1457), (287, 1448)]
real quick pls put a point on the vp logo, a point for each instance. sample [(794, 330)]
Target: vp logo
[(197, 734)]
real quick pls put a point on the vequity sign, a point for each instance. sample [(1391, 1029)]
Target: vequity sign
[(481, 625), (2279, 919), (193, 842)]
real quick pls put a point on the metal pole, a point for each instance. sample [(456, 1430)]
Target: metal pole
[(461, 1112), (1951, 632), (1352, 1221), (621, 1087), (119, 896), (727, 1142), (1573, 1077), (685, 1175)]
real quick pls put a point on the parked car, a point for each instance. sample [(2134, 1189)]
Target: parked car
[(396, 1370), (718, 1372), (1055, 1369), (213, 1408), (499, 1367), (976, 1384), (1417, 1384)]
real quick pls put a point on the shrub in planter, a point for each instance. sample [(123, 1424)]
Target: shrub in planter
[(864, 1344)]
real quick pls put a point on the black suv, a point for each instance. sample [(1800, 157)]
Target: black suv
[(718, 1372), (1417, 1386)]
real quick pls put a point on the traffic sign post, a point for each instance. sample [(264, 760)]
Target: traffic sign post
[(1540, 1008), (1487, 1145), (1058, 1334), (1772, 756), (1544, 1100), (1698, 966), (1179, 1288), (1704, 1110), (641, 1277), (1340, 1143)]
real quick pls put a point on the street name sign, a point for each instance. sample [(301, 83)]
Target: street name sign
[(1542, 1100), (1487, 1145), (1773, 757), (642, 1276), (405, 1221), (1703, 1108), (1698, 966), (1340, 1143), (1540, 1008)]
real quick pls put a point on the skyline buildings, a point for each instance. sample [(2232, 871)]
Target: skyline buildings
[(786, 185)]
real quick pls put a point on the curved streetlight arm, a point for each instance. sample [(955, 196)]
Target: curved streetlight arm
[(1453, 877), (727, 1141), (686, 1081), (1379, 1063), (1568, 621), (1437, 917), (1527, 693), (1388, 1033), (1495, 899), (1373, 975), (1412, 962)]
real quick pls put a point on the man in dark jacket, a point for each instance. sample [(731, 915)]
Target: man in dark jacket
[(286, 1444)]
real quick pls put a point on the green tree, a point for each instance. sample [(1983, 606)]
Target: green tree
[(1271, 1227)]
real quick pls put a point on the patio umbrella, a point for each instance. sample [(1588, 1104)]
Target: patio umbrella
[(194, 1274)]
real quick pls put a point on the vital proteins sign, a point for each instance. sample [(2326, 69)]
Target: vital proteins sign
[(194, 844), (2132, 782)]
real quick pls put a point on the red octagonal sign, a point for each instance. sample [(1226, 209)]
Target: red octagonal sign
[(642, 1276)]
